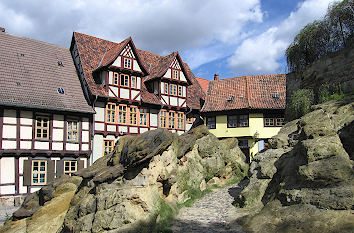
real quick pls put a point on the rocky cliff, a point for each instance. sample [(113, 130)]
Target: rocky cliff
[(305, 182), (134, 189)]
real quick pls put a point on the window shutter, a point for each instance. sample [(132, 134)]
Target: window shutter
[(50, 172), (60, 168), (27, 172), (80, 164)]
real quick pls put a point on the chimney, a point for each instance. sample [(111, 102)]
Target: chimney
[(2, 29), (216, 76)]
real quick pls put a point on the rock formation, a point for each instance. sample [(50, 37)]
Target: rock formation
[(305, 182), (132, 189)]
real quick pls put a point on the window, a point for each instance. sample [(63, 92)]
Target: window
[(175, 74), (144, 117), (171, 120), (70, 167), (180, 120), (39, 172), (115, 78), (108, 146), (273, 120), (42, 127), (73, 130), (180, 90), (122, 114), (163, 119), (124, 80), (133, 82), (166, 88), (110, 113), (211, 122), (133, 115), (234, 121), (127, 63), (173, 89)]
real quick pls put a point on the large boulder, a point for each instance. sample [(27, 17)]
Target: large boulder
[(137, 187), (308, 168)]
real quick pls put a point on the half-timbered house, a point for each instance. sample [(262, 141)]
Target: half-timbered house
[(132, 90), (45, 120)]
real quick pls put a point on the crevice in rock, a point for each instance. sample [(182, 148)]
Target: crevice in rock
[(166, 187), (346, 135), (133, 171)]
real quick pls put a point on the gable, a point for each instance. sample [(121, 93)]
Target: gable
[(128, 53), (175, 66)]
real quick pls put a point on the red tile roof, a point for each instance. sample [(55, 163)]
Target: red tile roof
[(95, 52), (203, 83), (31, 72), (247, 92)]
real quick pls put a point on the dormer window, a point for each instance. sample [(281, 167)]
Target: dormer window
[(173, 89), (127, 63), (124, 80), (166, 88), (115, 78), (133, 82), (175, 74), (180, 90)]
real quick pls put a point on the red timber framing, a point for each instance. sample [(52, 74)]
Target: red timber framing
[(169, 95), (45, 152), (119, 85)]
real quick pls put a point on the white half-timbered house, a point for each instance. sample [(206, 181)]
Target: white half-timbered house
[(133, 91), (45, 120)]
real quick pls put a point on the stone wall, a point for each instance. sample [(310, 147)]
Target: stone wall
[(335, 68)]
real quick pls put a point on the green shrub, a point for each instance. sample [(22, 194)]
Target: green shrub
[(329, 92), (300, 104)]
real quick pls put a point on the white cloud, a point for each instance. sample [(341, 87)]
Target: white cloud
[(156, 25), (261, 53)]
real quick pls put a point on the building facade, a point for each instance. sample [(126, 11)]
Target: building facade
[(249, 108), (45, 120), (132, 90)]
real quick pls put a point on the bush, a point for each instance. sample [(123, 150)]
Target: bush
[(329, 92), (300, 104)]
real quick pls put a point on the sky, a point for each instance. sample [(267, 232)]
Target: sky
[(228, 37)]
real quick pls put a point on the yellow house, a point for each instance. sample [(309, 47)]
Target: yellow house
[(250, 108)]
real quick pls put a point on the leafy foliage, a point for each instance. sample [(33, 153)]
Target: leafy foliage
[(329, 92), (317, 39), (300, 104)]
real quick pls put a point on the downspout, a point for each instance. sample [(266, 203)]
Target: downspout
[(93, 129)]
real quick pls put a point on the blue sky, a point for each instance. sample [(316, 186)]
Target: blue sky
[(229, 37)]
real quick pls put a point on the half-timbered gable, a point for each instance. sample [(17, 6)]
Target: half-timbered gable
[(126, 90), (45, 120)]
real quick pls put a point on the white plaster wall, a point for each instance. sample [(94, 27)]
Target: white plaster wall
[(124, 93), (123, 129), (72, 146), (20, 167), (57, 146), (58, 121), (8, 144), (138, 98), (8, 189), (136, 65), (165, 98), (100, 111), (25, 145), (99, 126), (134, 94), (162, 87), (10, 116), (118, 62), (85, 161), (111, 128), (153, 117), (184, 91), (85, 146), (173, 101), (9, 131), (58, 134), (41, 145), (110, 77), (35, 189), (133, 129), (85, 136), (173, 131), (97, 147), (113, 92), (26, 132), (188, 126), (168, 73), (143, 130), (184, 104), (26, 118), (138, 82), (103, 77), (182, 77), (85, 123), (180, 132), (7, 170), (23, 189)]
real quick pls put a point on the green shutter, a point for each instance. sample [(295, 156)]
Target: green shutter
[(60, 168), (27, 172), (50, 171)]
